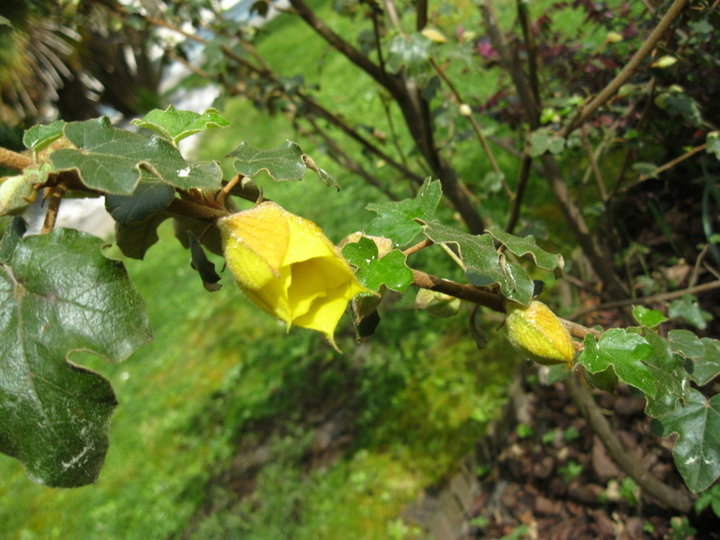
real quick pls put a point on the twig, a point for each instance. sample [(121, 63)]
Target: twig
[(463, 291), (523, 178), (670, 164), (473, 122), (13, 160), (417, 247), (626, 72), (55, 194), (662, 297), (593, 163), (626, 460)]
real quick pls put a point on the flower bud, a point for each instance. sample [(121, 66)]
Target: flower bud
[(287, 267), (537, 333)]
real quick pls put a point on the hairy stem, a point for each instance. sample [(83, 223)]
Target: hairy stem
[(13, 160)]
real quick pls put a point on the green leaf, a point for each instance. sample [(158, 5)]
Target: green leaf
[(411, 51), (697, 450), (148, 198), (42, 135), (398, 220), (625, 353), (713, 143), (649, 318), (703, 354), (110, 159), (671, 379), (483, 264), (373, 272), (282, 163), (59, 295), (545, 140), (687, 308), (175, 125), (526, 245), (135, 238)]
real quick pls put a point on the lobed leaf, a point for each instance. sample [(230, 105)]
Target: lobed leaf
[(175, 125), (649, 318), (42, 135), (697, 450), (389, 270), (398, 220), (526, 245), (285, 162), (60, 295), (624, 352), (112, 160), (671, 380), (483, 264), (703, 354)]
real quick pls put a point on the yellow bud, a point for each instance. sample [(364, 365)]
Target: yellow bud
[(537, 333), (287, 267)]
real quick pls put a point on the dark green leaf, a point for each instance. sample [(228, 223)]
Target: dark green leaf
[(38, 137), (649, 318), (483, 264), (110, 159), (202, 264), (147, 199), (282, 163), (54, 413), (526, 245), (697, 450), (175, 125), (626, 353), (373, 272), (134, 239), (398, 220)]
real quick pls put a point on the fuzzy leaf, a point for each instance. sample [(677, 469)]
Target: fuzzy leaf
[(484, 265), (625, 353), (282, 163), (54, 413), (398, 220), (526, 245), (697, 450), (373, 272), (111, 159), (135, 238), (148, 198), (175, 125), (40, 136)]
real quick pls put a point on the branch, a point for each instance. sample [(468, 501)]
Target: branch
[(628, 462), (626, 72), (650, 299), (342, 46), (471, 293), (524, 176), (13, 160)]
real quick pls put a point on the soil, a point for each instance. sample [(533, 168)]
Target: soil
[(554, 480)]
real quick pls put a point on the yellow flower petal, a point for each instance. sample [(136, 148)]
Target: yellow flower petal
[(287, 267)]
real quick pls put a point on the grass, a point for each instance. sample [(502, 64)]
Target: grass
[(220, 378)]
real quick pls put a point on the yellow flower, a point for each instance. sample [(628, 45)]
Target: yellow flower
[(286, 266)]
